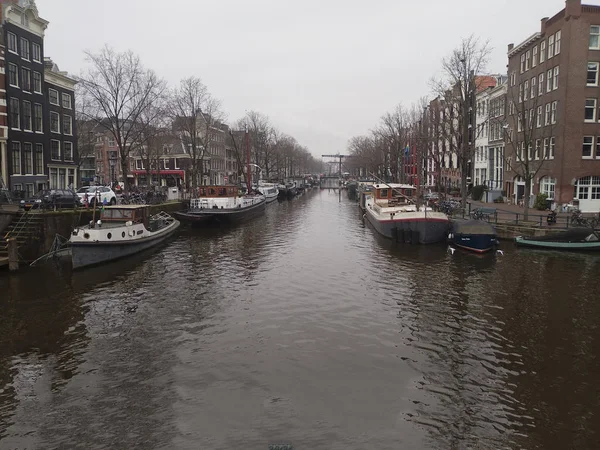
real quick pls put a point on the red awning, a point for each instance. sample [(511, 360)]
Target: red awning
[(181, 173)]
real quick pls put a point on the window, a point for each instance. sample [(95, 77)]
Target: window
[(165, 164), (550, 46), (111, 141), (37, 52), (527, 59), (519, 123), (526, 91), (598, 148), (547, 185), (37, 82), (37, 118), (530, 118), (538, 148), (590, 110), (541, 84), (513, 79), (53, 96), (54, 122), (39, 159), (25, 49), (557, 42), (26, 79), (547, 119), (138, 164), (66, 101), (15, 114), (55, 150), (588, 143), (12, 43), (13, 75), (554, 108), (556, 77), (53, 178), (552, 147), (68, 148), (546, 149), (594, 37), (27, 159), (533, 87), (542, 52), (595, 190), (592, 74), (549, 80), (16, 158), (26, 115), (534, 57), (529, 152), (539, 117), (67, 125), (523, 63), (521, 93)]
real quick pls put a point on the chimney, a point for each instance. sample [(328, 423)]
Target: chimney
[(510, 47), (572, 9), (543, 28)]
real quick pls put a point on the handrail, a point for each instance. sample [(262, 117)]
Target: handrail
[(20, 226)]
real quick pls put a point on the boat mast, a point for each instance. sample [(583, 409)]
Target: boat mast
[(249, 176)]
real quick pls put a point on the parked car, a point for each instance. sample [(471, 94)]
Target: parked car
[(51, 198), (102, 194)]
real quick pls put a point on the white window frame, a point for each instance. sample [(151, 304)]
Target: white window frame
[(526, 90), (66, 96), (538, 148), (527, 60), (550, 46), (58, 117), (16, 42), (67, 119), (533, 87), (522, 62), (545, 184), (554, 112), (165, 164), (59, 150), (541, 84), (556, 74), (27, 126), (36, 45), (591, 146), (50, 91), (31, 158), (65, 143), (549, 80), (542, 52), (12, 158), (594, 31), (521, 93), (28, 78), (10, 116), (539, 117), (590, 104), (546, 148), (557, 37), (547, 117), (17, 74), (552, 147), (21, 40), (39, 170), (41, 130), (534, 56), (595, 66)]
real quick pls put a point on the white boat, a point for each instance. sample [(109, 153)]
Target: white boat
[(394, 214), (121, 231), (269, 190)]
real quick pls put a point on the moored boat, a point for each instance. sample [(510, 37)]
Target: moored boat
[(394, 214), (473, 235), (579, 239), (269, 190), (223, 204), (121, 231)]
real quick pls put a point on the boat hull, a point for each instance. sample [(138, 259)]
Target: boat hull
[(85, 254), (420, 230), (224, 216), (551, 245), (478, 243), (271, 198)]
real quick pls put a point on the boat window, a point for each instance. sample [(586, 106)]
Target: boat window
[(118, 214), (211, 191), (383, 193), (140, 232), (222, 191), (230, 190), (109, 235)]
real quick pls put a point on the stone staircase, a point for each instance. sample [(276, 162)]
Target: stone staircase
[(24, 227)]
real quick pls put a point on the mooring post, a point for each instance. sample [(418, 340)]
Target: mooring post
[(13, 254)]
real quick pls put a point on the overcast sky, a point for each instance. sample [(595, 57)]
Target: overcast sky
[(321, 70)]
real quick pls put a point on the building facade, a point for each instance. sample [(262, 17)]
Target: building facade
[(553, 117), (482, 126)]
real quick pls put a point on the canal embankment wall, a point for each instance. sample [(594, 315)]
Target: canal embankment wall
[(43, 232)]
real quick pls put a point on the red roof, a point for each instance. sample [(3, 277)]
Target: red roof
[(484, 81)]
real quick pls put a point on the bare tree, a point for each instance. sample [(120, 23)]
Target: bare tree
[(529, 135), (393, 131), (459, 86), (119, 92)]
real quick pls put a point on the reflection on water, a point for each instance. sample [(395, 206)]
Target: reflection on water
[(303, 327)]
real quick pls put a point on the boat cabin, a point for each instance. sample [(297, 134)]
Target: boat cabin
[(390, 194), (217, 191), (125, 213)]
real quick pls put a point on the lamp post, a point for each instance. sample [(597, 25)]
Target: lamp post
[(112, 161), (259, 169)]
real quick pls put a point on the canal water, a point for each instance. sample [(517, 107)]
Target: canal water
[(303, 328)]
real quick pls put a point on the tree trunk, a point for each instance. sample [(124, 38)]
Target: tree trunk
[(526, 198)]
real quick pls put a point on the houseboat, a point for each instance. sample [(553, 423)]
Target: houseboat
[(224, 205), (394, 214), (269, 190), (121, 231)]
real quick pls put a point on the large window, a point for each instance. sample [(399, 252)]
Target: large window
[(27, 158), (547, 186), (588, 145), (542, 52), (37, 118), (54, 122), (39, 159), (37, 52), (15, 113), (26, 79), (534, 57), (12, 43), (595, 37), (26, 115), (16, 158), (67, 125), (53, 97), (557, 42), (68, 151), (13, 75), (66, 101), (37, 82), (588, 188), (592, 74), (25, 49), (55, 150), (550, 46)]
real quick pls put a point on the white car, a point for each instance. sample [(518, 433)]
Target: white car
[(102, 194)]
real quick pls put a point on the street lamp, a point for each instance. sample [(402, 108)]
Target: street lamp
[(112, 161)]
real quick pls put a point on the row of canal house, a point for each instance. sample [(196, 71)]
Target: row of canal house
[(38, 139)]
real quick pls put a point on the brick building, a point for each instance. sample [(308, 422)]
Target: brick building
[(553, 117)]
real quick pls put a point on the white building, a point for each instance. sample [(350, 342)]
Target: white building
[(480, 160)]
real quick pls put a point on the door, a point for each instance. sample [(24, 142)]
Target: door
[(520, 192)]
